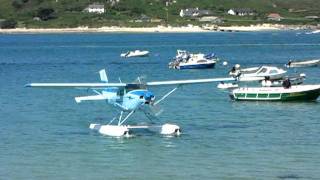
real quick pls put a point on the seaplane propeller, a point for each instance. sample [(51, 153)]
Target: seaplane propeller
[(129, 98)]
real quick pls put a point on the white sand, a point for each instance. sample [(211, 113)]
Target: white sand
[(169, 29)]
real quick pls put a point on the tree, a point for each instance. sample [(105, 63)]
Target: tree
[(8, 24), (45, 13), (17, 4)]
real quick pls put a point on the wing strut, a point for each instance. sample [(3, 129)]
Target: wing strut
[(166, 95), (120, 122)]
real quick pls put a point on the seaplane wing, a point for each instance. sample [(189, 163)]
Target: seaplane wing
[(133, 85), (185, 82), (199, 81), (76, 85)]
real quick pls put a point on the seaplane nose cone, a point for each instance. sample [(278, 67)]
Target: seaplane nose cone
[(149, 96)]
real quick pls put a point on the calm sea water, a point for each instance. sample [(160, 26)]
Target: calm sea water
[(44, 134)]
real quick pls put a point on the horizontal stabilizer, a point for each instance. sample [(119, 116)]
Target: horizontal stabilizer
[(90, 98)]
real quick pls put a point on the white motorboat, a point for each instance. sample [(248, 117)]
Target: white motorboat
[(185, 60), (223, 85), (294, 80), (306, 63), (263, 71), (136, 53), (313, 32)]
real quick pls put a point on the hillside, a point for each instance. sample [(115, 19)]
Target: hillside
[(70, 13)]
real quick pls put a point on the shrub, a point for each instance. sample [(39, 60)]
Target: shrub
[(17, 4), (8, 24), (45, 13)]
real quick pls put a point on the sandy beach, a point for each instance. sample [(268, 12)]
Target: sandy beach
[(162, 29)]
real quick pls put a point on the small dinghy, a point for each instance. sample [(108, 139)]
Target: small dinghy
[(306, 63)]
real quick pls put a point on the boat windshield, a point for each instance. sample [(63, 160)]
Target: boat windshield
[(262, 70)]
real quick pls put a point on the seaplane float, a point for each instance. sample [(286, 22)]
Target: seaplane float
[(303, 63), (130, 98), (135, 53), (186, 60)]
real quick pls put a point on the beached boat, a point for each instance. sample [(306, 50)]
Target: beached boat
[(294, 93), (136, 53), (306, 63), (263, 71), (185, 60)]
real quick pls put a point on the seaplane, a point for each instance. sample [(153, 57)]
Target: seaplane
[(130, 98)]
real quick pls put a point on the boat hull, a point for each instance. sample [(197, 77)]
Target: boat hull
[(197, 66), (304, 95)]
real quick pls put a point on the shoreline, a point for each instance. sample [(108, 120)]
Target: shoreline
[(158, 29)]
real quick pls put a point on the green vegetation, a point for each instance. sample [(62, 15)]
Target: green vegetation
[(70, 13)]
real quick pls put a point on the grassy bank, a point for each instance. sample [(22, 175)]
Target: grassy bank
[(69, 13)]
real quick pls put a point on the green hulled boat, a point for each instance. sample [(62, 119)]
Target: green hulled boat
[(294, 93)]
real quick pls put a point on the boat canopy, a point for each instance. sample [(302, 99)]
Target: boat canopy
[(209, 56)]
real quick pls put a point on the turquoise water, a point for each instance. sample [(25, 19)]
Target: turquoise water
[(44, 134)]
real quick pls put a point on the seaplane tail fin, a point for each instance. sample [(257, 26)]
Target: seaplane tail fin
[(103, 75), (90, 98)]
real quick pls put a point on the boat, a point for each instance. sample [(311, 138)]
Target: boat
[(186, 60), (305, 63), (293, 93), (313, 32), (294, 80), (135, 53), (223, 85), (263, 71)]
